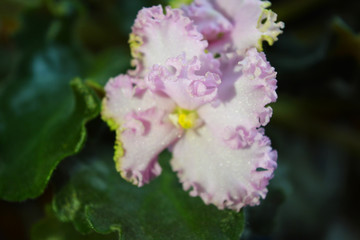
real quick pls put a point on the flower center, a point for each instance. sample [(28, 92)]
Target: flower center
[(184, 118)]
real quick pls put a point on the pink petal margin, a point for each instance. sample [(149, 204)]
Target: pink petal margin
[(140, 120), (248, 86), (227, 178), (187, 82), (146, 134), (165, 36)]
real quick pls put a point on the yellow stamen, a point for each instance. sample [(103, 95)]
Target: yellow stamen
[(184, 118), (187, 121)]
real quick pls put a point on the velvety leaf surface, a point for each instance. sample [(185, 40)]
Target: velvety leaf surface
[(41, 120), (51, 228), (98, 198)]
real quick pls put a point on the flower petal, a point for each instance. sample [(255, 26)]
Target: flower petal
[(252, 23), (140, 119), (157, 36), (190, 83), (247, 87), (143, 136), (211, 23), (121, 97), (125, 94), (227, 178)]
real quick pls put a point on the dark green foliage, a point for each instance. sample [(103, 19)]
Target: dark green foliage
[(42, 122), (51, 228), (98, 199)]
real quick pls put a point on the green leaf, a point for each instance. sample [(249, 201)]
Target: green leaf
[(51, 228), (97, 198), (41, 121), (109, 63)]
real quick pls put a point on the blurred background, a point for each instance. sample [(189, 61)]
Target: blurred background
[(316, 121)]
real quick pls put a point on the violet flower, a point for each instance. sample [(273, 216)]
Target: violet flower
[(200, 88)]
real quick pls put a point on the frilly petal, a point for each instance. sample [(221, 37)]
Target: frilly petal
[(122, 96), (125, 93), (211, 23), (268, 27), (190, 83), (143, 136), (252, 23), (140, 120), (227, 178), (248, 85), (157, 36)]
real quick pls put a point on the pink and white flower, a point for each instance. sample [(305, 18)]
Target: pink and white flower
[(207, 111)]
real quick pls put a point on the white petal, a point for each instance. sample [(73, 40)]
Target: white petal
[(163, 36), (247, 87), (143, 136), (252, 23), (222, 176), (142, 126), (125, 94)]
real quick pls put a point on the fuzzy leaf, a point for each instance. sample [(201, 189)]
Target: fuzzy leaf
[(41, 121), (97, 198), (51, 228)]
